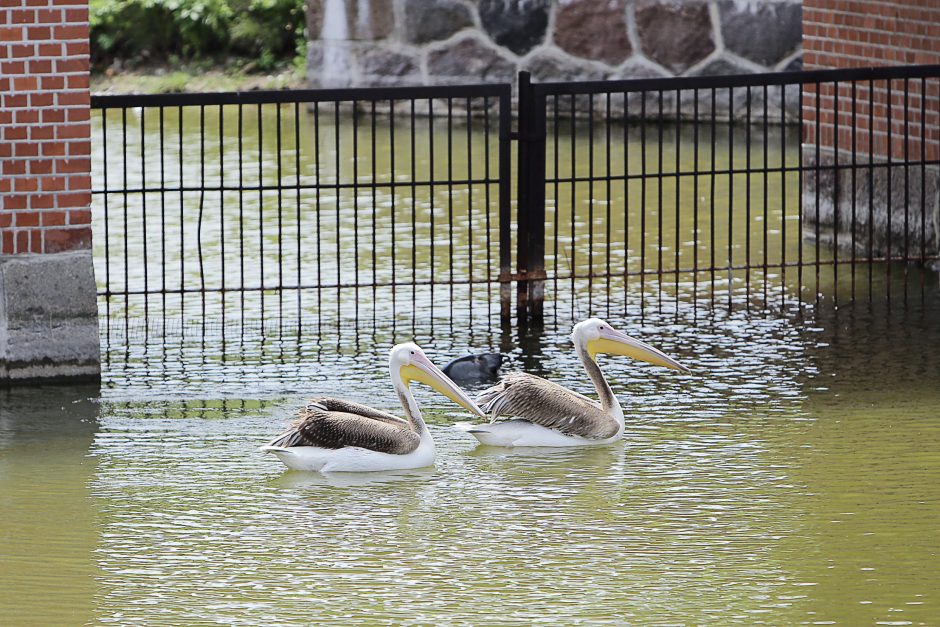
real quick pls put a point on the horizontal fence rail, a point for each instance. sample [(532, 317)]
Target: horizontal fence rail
[(759, 190)]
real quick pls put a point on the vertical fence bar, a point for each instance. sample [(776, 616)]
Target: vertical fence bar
[(414, 208), (556, 175), (393, 204), (765, 176), (202, 198), (297, 236), (871, 186), (143, 206), (222, 203), (590, 204), (711, 201), (355, 199), (747, 200), (660, 123), (241, 208), (469, 122), (572, 160), (923, 183), (818, 170), (799, 213), (783, 195), (107, 225), (182, 203), (607, 122), (486, 196), (695, 172), (642, 202), (374, 189), (854, 177), (430, 191), (505, 207), (260, 204), (626, 201), (124, 177), (162, 215), (337, 164), (835, 194), (450, 201), (523, 203), (730, 194), (890, 151), (316, 211), (907, 185), (678, 179)]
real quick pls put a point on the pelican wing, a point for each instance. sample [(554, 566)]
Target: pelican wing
[(335, 423), (521, 395), (326, 403)]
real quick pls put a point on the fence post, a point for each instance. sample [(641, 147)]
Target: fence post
[(530, 250)]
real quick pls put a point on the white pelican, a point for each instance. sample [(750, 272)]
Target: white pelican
[(543, 413), (333, 435)]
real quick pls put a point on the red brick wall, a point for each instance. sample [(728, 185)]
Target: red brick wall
[(862, 33), (45, 147)]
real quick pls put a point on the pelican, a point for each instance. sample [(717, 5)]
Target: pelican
[(333, 435), (543, 413)]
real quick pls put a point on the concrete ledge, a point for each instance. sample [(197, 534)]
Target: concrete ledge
[(48, 318)]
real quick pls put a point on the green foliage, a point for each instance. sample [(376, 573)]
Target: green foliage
[(263, 31)]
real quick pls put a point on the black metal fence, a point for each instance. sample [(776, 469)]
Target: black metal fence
[(703, 186), (696, 188), (301, 199)]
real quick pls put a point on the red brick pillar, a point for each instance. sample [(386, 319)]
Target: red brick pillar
[(866, 33), (45, 192)]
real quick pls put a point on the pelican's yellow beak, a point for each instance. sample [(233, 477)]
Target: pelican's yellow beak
[(423, 371), (613, 342)]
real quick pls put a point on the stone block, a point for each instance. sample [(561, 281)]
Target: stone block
[(469, 60), (379, 65), (875, 210), (434, 20), (519, 25), (362, 20), (593, 29), (48, 317), (675, 35), (764, 33)]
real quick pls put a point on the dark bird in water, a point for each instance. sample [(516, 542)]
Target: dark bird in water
[(474, 368)]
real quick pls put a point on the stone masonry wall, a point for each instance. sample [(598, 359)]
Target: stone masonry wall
[(861, 33), (426, 42), (48, 310)]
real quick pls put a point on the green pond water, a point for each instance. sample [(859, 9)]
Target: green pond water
[(793, 477)]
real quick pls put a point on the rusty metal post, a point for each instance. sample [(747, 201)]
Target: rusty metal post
[(530, 224)]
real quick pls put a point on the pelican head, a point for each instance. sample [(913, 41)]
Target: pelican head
[(409, 363), (596, 336)]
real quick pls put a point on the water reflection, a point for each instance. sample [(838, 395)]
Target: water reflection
[(49, 529), (791, 477)]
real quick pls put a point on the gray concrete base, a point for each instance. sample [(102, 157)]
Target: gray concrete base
[(879, 198), (48, 318)]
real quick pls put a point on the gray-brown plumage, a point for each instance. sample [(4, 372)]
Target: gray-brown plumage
[(532, 398), (334, 423)]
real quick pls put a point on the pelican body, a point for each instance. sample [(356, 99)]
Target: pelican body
[(334, 435), (542, 413)]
